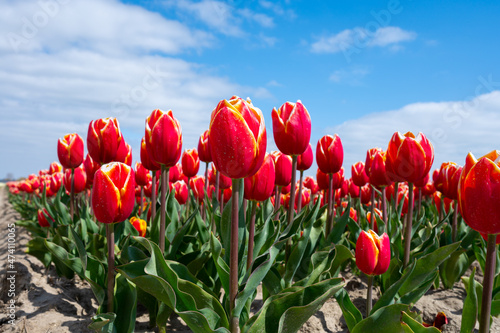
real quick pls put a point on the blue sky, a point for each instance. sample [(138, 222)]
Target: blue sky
[(363, 69)]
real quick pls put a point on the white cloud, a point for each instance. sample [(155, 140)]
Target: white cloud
[(278, 9), (359, 38), (454, 128), (351, 76), (60, 85)]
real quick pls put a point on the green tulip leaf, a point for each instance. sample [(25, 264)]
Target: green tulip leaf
[(37, 248), (470, 311), (426, 266), (125, 305), (385, 320), (453, 268), (220, 265), (103, 322), (288, 310), (352, 315), (415, 326)]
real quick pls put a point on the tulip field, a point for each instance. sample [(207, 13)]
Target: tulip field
[(196, 233)]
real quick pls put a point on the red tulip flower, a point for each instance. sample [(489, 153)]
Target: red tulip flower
[(56, 182), (139, 225), (283, 168), (204, 148), (373, 253), (338, 178), (142, 175), (311, 184), (353, 189), (237, 137), (437, 197), (409, 158), (70, 151), (80, 180), (260, 186), (197, 185), (190, 162), (447, 180), (163, 138), (305, 160), (291, 128), (375, 167), (146, 160), (42, 218), (329, 154), (358, 174), (113, 192), (103, 139), (55, 168), (90, 168), (322, 179), (124, 153), (180, 191), (366, 194), (479, 193)]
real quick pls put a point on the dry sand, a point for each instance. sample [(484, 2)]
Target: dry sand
[(46, 303)]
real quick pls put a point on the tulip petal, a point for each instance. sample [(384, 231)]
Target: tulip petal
[(366, 253)]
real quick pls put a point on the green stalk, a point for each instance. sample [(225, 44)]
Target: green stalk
[(110, 236), (489, 276), (233, 261), (409, 223), (72, 195), (291, 206), (251, 233), (153, 196), (369, 295), (330, 206), (163, 199), (455, 221), (299, 203), (372, 209), (384, 206)]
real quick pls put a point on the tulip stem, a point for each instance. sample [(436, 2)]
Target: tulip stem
[(110, 236), (217, 179), (455, 221), (299, 203), (489, 276), (384, 206), (277, 200), (164, 192), (233, 263), (409, 226), (372, 209), (141, 205), (205, 191), (369, 295), (419, 201), (251, 233), (72, 195), (291, 206), (153, 195)]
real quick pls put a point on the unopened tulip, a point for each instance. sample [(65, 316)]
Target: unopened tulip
[(180, 191), (113, 192), (283, 168), (197, 185), (103, 139), (306, 159), (190, 163), (358, 174), (311, 184), (204, 152), (322, 179), (409, 158), (163, 138), (291, 128), (90, 168), (373, 253), (80, 180), (260, 186), (42, 218), (353, 189), (375, 167), (329, 154), (237, 137), (142, 175), (124, 153), (146, 160), (140, 225), (448, 178), (56, 182), (55, 168), (338, 178), (70, 150)]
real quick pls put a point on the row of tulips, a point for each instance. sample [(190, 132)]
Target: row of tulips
[(249, 222)]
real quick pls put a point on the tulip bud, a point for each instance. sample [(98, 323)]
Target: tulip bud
[(124, 153), (175, 173), (80, 180), (204, 148), (260, 186), (358, 174), (338, 178), (305, 160), (70, 151), (373, 253), (322, 179), (353, 189), (447, 180), (180, 191), (190, 162), (55, 168), (409, 158), (56, 182), (42, 218), (237, 137), (139, 225), (197, 185), (329, 154), (283, 169), (311, 184), (163, 138), (291, 128), (90, 168), (479, 192), (103, 139), (142, 175), (113, 192), (146, 160), (375, 167)]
